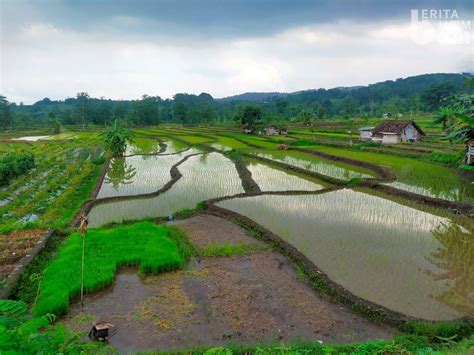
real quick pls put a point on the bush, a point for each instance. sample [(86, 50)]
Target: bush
[(15, 164), (21, 334)]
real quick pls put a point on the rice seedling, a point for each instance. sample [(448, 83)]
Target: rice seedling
[(408, 260), (145, 245), (204, 177), (417, 176)]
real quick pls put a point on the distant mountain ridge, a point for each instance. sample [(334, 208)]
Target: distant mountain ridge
[(253, 96), (399, 87)]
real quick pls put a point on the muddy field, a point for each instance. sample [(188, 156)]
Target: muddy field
[(251, 298)]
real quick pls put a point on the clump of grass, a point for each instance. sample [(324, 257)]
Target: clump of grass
[(229, 250), (145, 245)]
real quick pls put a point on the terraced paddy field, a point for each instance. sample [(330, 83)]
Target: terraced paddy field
[(267, 244), (380, 250)]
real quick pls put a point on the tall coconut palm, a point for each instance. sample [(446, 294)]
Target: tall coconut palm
[(116, 139)]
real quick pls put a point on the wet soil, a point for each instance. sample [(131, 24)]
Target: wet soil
[(252, 298), (204, 230)]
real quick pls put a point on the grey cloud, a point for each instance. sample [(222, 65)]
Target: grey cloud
[(212, 18)]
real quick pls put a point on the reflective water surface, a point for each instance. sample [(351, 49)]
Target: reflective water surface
[(204, 177), (450, 195), (270, 179), (139, 174), (407, 260), (319, 165)]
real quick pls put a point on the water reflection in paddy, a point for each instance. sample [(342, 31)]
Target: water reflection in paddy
[(450, 195), (319, 165), (399, 257), (142, 145), (139, 174), (270, 179), (174, 147), (204, 177)]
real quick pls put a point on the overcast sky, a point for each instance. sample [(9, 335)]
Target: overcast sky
[(123, 49)]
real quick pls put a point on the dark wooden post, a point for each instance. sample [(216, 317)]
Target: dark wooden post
[(83, 230)]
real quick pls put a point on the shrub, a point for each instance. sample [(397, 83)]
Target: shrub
[(145, 245), (21, 334), (15, 164)]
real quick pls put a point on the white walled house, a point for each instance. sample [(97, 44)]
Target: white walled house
[(365, 133), (271, 131), (396, 131)]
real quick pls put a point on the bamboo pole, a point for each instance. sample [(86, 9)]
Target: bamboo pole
[(83, 231), (82, 277)]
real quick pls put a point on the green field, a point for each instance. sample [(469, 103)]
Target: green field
[(390, 249), (145, 245)]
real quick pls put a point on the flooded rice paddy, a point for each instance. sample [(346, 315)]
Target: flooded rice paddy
[(407, 260), (139, 174), (204, 176), (30, 138), (402, 258), (319, 165), (270, 179), (451, 195)]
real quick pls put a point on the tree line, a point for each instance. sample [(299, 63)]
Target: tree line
[(410, 96)]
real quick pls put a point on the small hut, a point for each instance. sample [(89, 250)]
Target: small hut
[(365, 133), (395, 131), (271, 131), (100, 331)]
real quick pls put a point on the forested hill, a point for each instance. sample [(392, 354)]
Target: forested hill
[(402, 87), (253, 96), (421, 93)]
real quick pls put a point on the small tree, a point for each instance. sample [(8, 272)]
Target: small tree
[(248, 116), (116, 139)]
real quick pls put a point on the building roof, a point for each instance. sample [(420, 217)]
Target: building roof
[(395, 127), (102, 325), (366, 128)]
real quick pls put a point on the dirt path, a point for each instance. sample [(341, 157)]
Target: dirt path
[(250, 298)]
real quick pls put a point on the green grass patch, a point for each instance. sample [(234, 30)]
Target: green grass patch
[(229, 249), (146, 245), (398, 345)]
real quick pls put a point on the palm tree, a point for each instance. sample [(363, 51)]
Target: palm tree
[(443, 116), (116, 139)]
